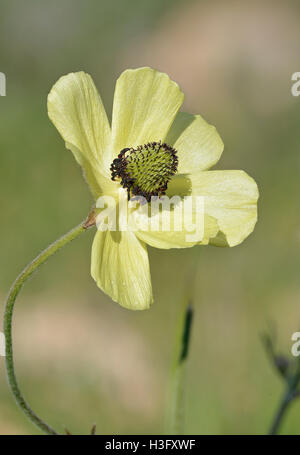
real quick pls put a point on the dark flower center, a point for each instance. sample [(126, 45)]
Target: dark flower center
[(145, 170)]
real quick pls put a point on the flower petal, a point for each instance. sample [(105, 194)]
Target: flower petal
[(76, 109), (230, 197), (184, 228), (198, 144), (145, 105), (120, 267)]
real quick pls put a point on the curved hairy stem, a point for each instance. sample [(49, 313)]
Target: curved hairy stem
[(8, 317)]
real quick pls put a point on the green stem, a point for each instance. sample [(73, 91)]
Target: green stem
[(287, 399), (291, 393), (176, 410), (8, 317)]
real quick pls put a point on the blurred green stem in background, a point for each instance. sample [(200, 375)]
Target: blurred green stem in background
[(291, 392), (289, 370), (176, 396), (8, 316), (176, 406)]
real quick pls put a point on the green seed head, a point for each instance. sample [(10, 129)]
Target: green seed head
[(145, 170)]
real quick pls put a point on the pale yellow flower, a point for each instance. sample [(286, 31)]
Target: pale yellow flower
[(146, 110)]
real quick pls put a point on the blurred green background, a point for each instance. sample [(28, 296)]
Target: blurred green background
[(81, 358)]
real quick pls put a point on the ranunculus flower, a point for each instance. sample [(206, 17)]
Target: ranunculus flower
[(150, 149)]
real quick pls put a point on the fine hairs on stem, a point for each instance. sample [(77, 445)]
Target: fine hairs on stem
[(8, 317)]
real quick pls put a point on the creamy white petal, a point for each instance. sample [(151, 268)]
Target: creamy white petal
[(198, 144), (120, 267), (76, 109), (145, 105), (229, 196), (180, 225)]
